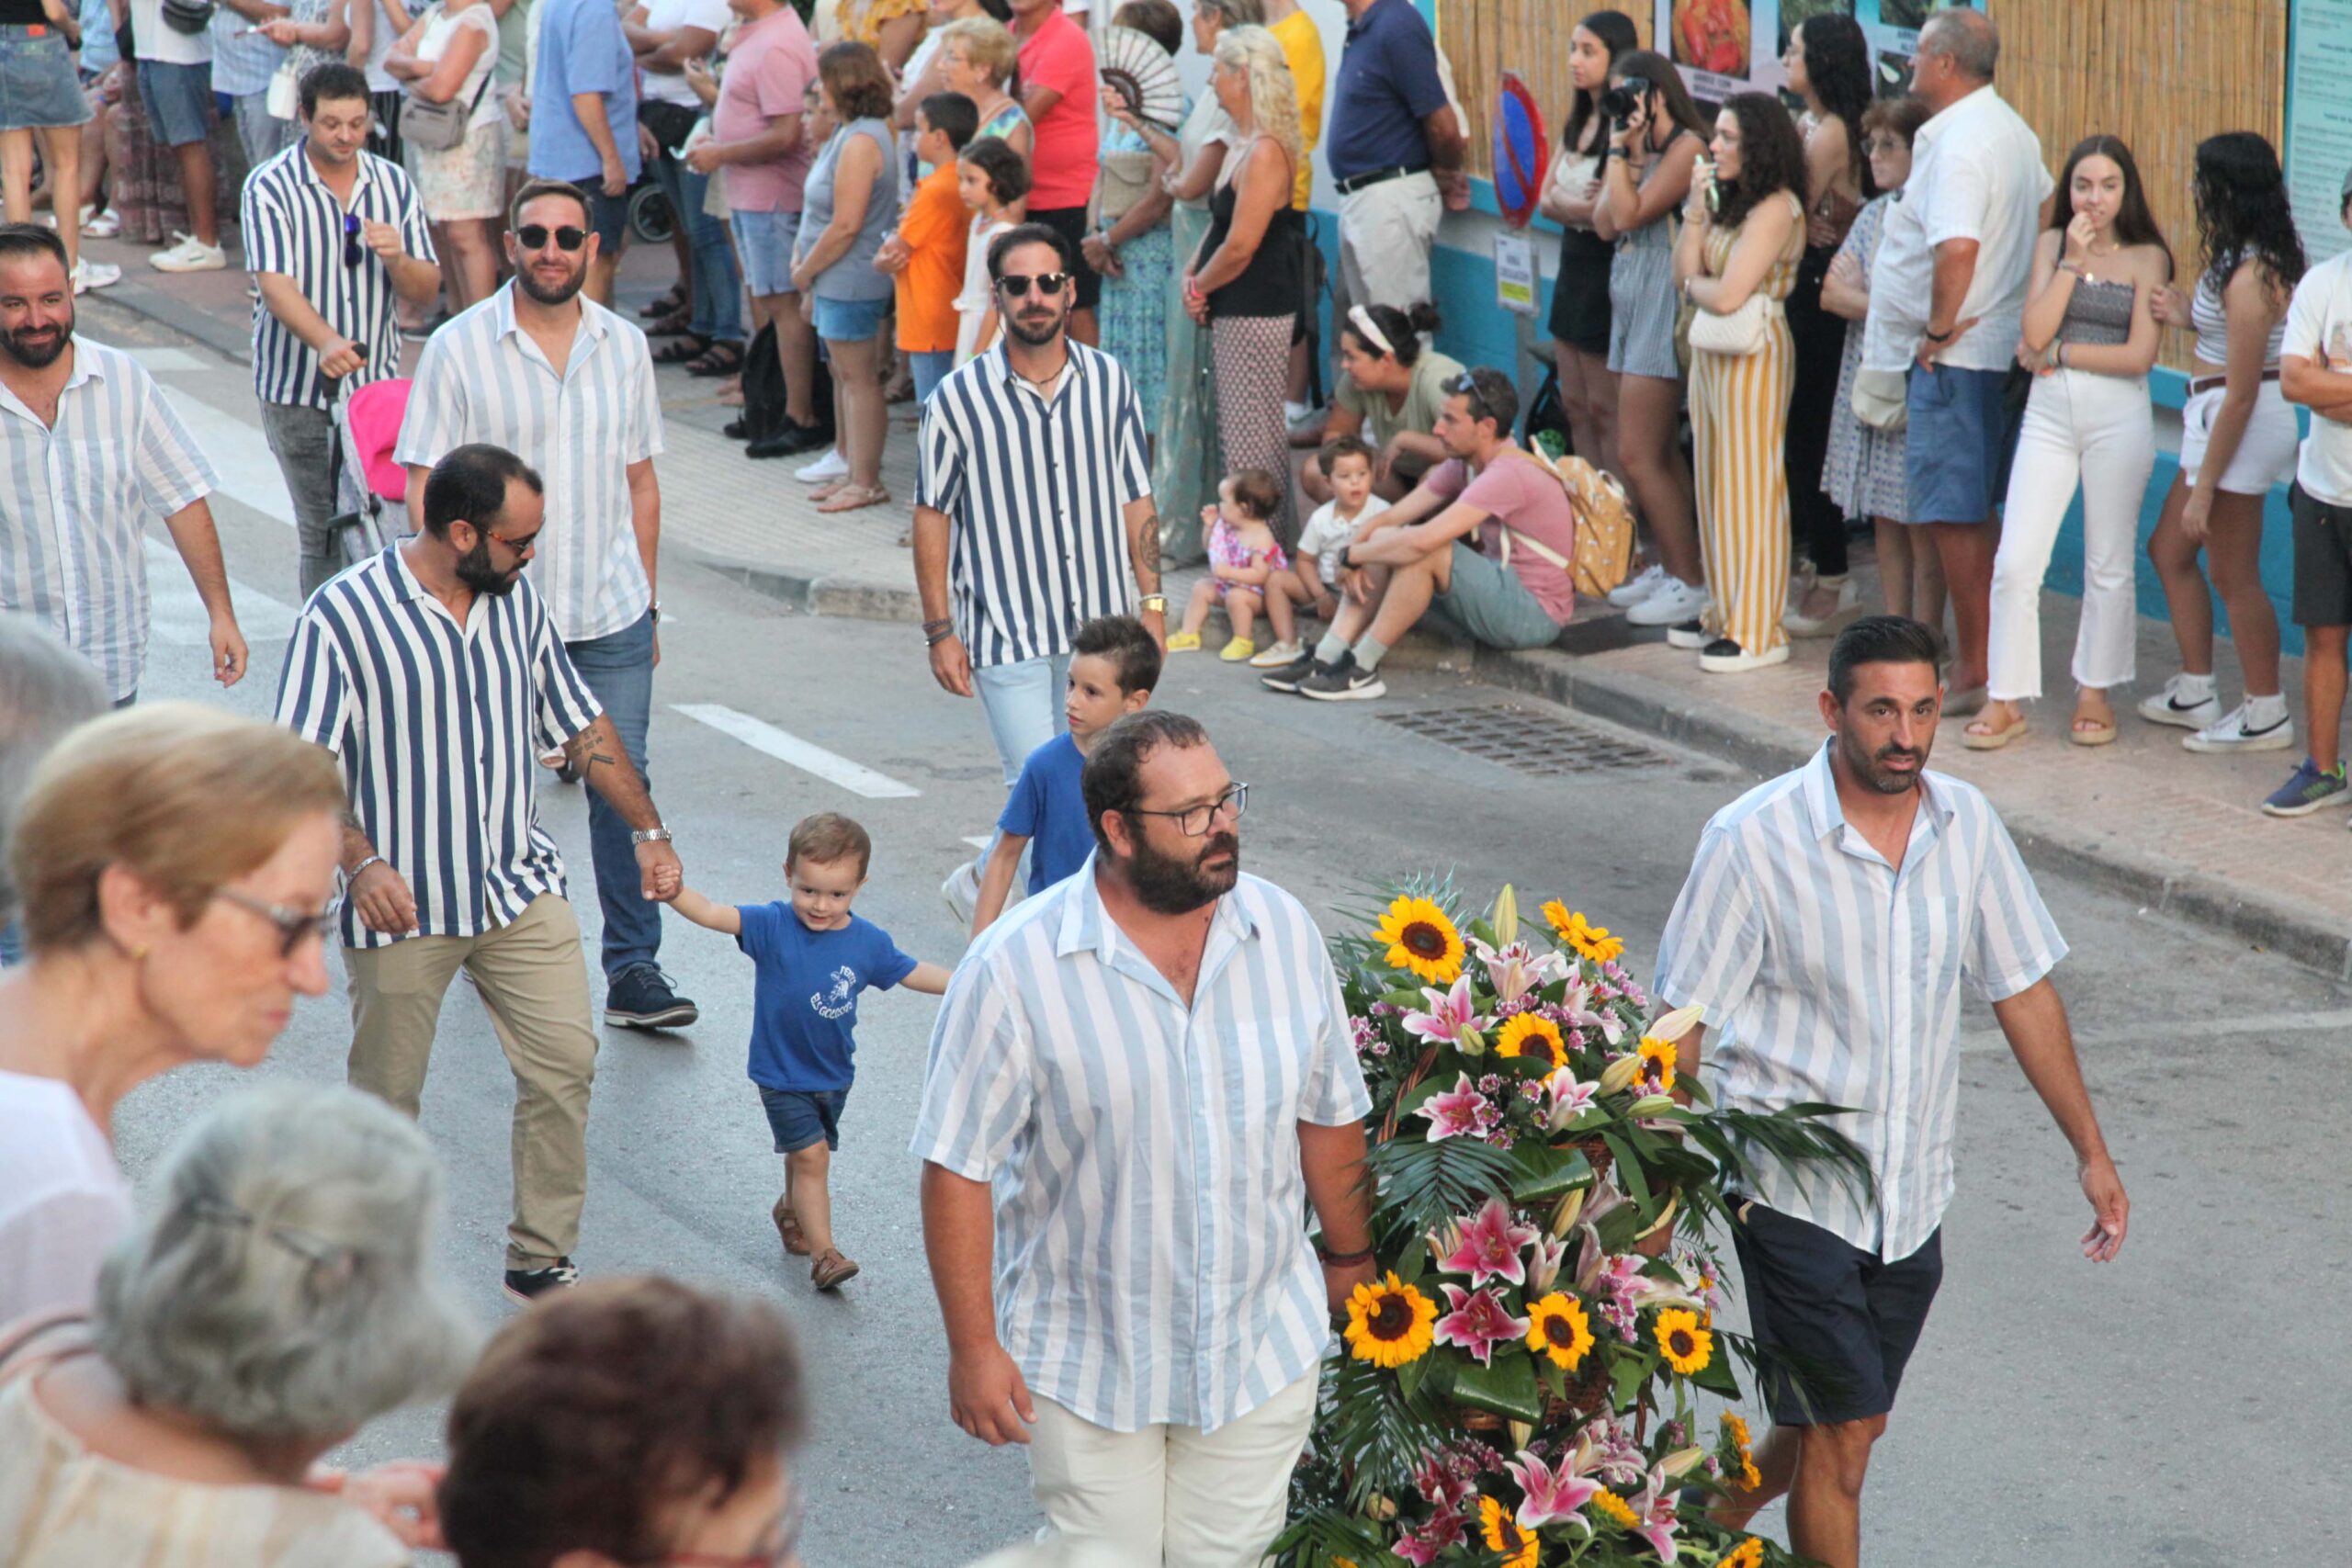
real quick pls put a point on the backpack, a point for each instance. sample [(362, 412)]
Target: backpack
[(1604, 554)]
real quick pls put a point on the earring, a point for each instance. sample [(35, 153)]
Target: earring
[(138, 953)]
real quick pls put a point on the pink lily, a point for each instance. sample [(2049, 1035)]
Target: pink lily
[(1655, 1506), (1452, 1015), (1544, 1268), (1579, 1004), (1518, 969), (1420, 1546), (1454, 1114), (1491, 1247), (1477, 1323), (1553, 1495), (1441, 1481), (1570, 1098)]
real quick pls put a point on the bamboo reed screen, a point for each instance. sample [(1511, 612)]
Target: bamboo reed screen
[(1486, 38)]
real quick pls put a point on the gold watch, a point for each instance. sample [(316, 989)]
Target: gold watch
[(1153, 601)]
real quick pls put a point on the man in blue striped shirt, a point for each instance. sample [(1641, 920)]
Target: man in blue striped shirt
[(1832, 918), (1150, 1063), (434, 674)]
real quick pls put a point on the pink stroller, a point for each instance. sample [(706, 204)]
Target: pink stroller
[(371, 488)]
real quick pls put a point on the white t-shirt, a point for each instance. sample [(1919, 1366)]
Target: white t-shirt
[(2318, 319), (1976, 174), (435, 43), (380, 44), (973, 303), (63, 1199), (1327, 531), (160, 42), (668, 16)]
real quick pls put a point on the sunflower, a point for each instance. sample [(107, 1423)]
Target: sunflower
[(1589, 941), (1527, 1031), (1558, 1328), (1389, 1323), (1748, 1553), (1615, 1509), (1687, 1345), (1519, 1547), (1750, 1478), (1736, 1429), (1660, 1053), (1422, 939)]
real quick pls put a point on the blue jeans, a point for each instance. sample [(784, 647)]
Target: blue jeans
[(619, 670), (929, 367), (1023, 702), (718, 287)]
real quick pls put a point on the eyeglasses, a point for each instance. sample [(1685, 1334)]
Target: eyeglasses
[(776, 1547), (354, 253), (535, 237), (1049, 284), (1195, 821), (294, 926)]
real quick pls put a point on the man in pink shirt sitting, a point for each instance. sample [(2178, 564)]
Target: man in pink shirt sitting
[(1059, 93)]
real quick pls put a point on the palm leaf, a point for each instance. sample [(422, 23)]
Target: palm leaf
[(1423, 1184), (1377, 1433)]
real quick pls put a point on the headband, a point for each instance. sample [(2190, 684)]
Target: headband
[(1362, 317)]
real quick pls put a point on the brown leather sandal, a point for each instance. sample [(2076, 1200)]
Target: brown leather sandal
[(787, 1225), (832, 1270)]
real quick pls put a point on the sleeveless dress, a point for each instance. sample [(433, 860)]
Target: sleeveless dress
[(1864, 474), (1642, 304)]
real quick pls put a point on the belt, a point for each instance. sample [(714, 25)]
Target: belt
[(2206, 383), (1356, 183)]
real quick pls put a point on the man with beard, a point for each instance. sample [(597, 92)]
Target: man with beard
[(89, 451), (1151, 1062), (547, 373), (1831, 919), (433, 671), (1033, 509)]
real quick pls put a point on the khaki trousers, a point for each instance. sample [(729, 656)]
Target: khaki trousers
[(534, 980)]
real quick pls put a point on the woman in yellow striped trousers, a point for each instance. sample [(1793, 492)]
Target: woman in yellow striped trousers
[(1743, 234)]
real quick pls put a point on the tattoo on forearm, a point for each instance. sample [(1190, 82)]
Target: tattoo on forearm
[(585, 749), (1146, 552)]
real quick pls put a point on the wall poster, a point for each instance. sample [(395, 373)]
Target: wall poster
[(1735, 46), (2319, 120)]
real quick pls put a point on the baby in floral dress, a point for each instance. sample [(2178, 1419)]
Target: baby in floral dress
[(1247, 569)]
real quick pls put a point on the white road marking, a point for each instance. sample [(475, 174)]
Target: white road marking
[(2279, 1023), (236, 448), (980, 840), (169, 359), (809, 757), (177, 614)]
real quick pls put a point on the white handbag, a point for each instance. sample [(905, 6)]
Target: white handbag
[(284, 98), (1738, 334), (1881, 399)]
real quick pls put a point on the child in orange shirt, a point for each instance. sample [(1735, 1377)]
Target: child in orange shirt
[(926, 255)]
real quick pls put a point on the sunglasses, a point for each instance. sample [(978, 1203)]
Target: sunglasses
[(354, 253), (294, 926), (1467, 388), (1049, 284), (534, 236)]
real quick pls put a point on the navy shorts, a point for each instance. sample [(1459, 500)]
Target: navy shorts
[(1836, 1324), (1953, 453), (802, 1118), (2322, 560)]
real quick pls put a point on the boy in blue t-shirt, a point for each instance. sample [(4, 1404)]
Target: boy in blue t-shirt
[(1113, 665), (810, 959)]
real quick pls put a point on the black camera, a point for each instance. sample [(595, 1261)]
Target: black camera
[(1621, 102)]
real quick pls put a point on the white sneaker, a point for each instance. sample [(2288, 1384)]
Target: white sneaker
[(1638, 587), (962, 891), (1670, 605), (89, 275), (2238, 732), (103, 226), (2166, 708), (1275, 657), (191, 255), (831, 466)]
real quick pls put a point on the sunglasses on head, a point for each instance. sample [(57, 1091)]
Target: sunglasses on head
[(534, 236), (1049, 284)]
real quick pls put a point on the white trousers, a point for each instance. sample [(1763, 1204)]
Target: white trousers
[(2096, 431), (1170, 1496), (1386, 232)]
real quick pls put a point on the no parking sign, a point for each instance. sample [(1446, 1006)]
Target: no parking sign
[(1522, 156)]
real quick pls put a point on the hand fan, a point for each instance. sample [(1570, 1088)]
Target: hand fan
[(1143, 74)]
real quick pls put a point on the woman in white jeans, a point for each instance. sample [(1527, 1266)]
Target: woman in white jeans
[(2091, 336)]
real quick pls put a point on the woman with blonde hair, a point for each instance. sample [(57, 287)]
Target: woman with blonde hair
[(1243, 283), (976, 57)]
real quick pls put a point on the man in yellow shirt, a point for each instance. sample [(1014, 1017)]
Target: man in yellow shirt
[(1301, 43)]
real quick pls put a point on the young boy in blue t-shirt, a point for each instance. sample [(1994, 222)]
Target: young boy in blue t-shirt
[(1113, 665), (810, 958)]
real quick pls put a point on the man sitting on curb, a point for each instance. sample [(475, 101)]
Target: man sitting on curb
[(1510, 590)]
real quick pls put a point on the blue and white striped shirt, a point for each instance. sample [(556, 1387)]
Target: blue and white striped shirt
[(483, 378), (1036, 488), (438, 728), (76, 500), (1827, 975), (1152, 1266), (294, 225)]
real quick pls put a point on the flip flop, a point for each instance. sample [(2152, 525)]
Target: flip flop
[(1991, 740), (851, 498)]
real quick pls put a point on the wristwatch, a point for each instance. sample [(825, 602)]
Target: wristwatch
[(1153, 603), (648, 836)]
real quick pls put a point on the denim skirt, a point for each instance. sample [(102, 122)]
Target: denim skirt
[(39, 87)]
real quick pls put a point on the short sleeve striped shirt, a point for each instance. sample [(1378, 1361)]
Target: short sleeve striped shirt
[(1829, 975), (437, 727), (483, 378), (1151, 1262), (1036, 488), (294, 225), (76, 500)]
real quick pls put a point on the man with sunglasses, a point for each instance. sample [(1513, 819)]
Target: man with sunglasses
[(335, 235), (542, 370), (1033, 509), (433, 673)]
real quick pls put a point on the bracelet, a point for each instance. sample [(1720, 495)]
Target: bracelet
[(933, 639), (940, 625), (1944, 336), (1343, 1260), (353, 875)]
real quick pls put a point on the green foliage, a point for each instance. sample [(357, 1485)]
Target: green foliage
[(1422, 1185)]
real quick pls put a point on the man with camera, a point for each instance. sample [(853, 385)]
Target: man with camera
[(1396, 152)]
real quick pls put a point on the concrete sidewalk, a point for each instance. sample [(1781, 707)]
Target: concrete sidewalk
[(2180, 832)]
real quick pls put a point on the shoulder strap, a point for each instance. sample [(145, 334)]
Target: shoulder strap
[(15, 1362), (1541, 550)]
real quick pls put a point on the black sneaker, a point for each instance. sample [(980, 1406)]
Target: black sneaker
[(639, 998), (528, 1285), (1286, 677), (1343, 683)]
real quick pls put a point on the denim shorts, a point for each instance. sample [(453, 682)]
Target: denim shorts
[(801, 1119), (850, 321), (39, 87), (178, 100), (764, 243), (1487, 600), (1952, 449)]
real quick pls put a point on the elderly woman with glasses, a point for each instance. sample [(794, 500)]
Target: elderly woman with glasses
[(177, 864), (277, 1300)]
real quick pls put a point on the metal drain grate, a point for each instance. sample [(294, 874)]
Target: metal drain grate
[(1530, 741)]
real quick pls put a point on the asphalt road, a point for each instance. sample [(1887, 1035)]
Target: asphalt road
[(2182, 1407)]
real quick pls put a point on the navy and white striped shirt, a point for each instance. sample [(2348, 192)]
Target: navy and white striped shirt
[(76, 500), (1036, 488), (438, 728), (1829, 975), (1151, 1264), (293, 225)]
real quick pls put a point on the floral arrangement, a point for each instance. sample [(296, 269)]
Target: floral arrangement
[(1516, 1385)]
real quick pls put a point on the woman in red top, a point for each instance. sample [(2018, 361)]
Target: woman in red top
[(1057, 89)]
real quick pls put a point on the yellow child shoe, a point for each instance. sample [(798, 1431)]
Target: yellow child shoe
[(1183, 642), (1238, 650)]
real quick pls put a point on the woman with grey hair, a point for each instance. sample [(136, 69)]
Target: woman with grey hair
[(279, 1299)]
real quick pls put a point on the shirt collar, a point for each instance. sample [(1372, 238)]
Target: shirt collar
[(592, 316), (302, 155), (1829, 814), (1073, 370), (87, 365), (1953, 113)]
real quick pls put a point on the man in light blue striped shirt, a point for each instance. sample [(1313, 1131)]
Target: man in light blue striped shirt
[(1151, 1064), (1831, 919)]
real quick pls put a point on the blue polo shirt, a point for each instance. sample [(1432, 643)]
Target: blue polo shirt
[(804, 994), (1388, 84), (581, 50), (1048, 808)]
